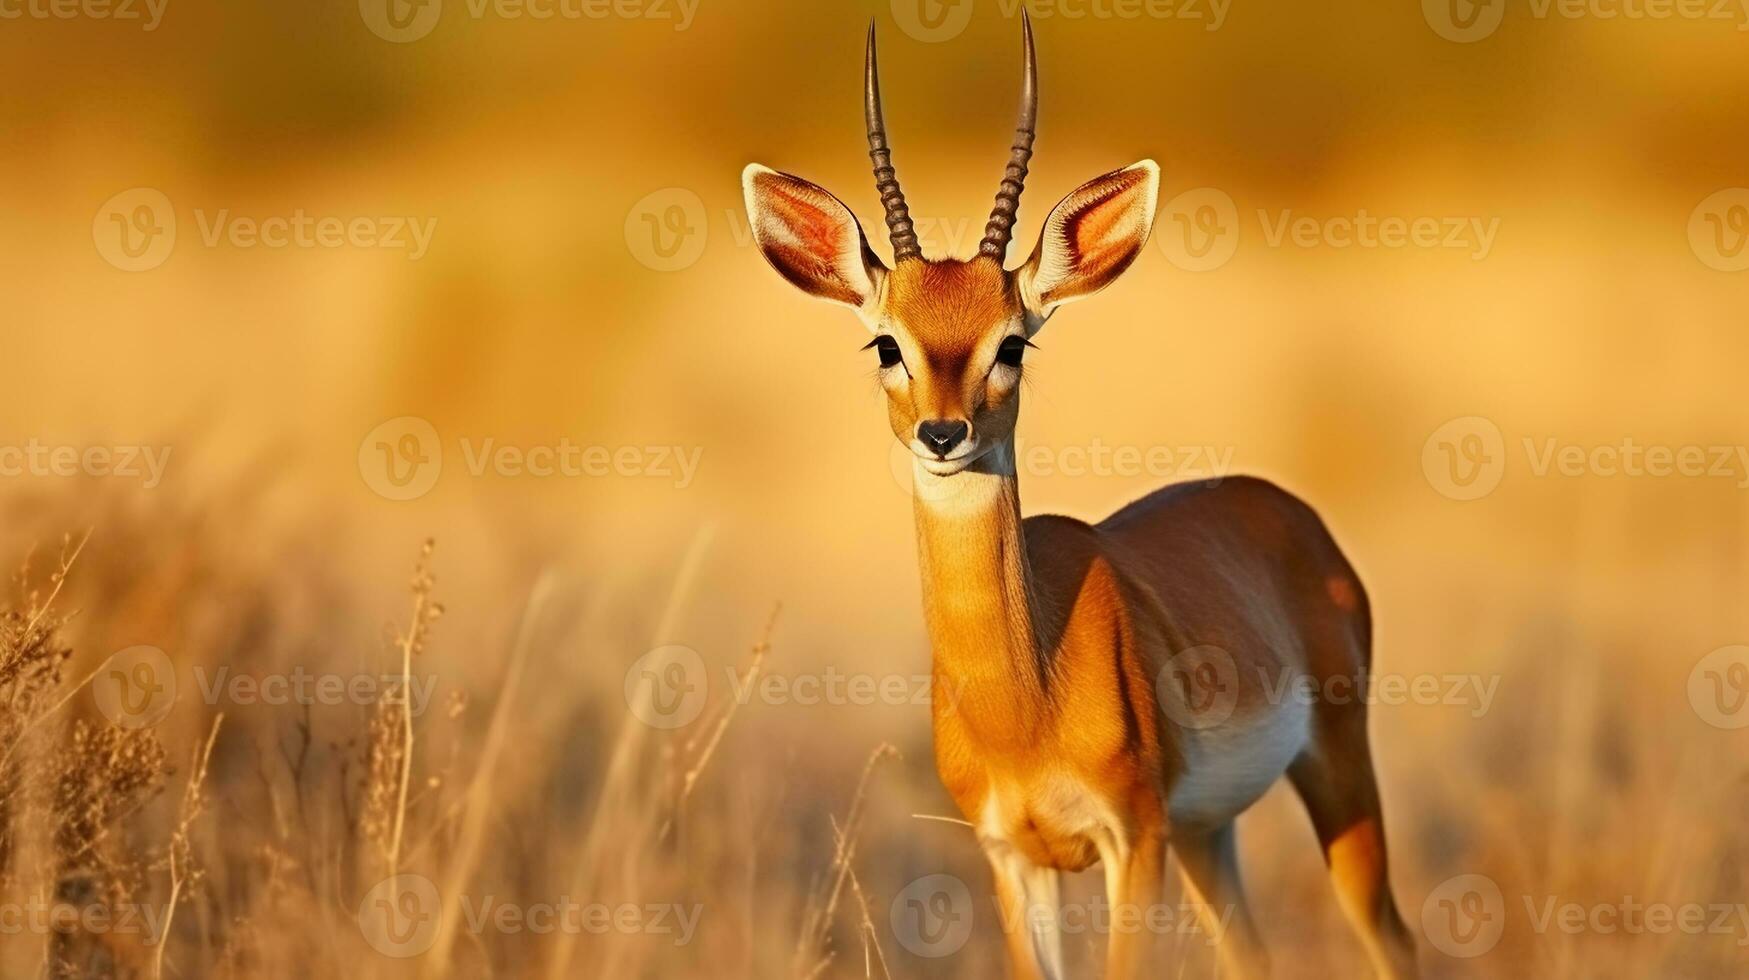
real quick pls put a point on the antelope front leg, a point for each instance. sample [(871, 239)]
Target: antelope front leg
[(1132, 887), (1031, 909)]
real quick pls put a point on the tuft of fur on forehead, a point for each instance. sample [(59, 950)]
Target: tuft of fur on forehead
[(948, 304)]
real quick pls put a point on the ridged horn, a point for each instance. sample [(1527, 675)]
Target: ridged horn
[(899, 227), (1002, 217)]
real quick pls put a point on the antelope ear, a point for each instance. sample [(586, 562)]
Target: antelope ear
[(811, 238), (1090, 238)]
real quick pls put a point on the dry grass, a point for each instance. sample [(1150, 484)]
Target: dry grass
[(288, 816), (519, 780)]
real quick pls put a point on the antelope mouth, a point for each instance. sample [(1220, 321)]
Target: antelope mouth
[(937, 466)]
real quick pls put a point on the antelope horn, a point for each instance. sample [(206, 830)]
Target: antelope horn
[(899, 227), (1001, 226)]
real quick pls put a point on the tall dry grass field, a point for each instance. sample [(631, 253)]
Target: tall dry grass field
[(440, 546), (246, 831)]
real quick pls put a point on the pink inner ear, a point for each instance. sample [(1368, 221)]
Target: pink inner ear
[(1097, 247), (812, 261), (1090, 228), (821, 232)]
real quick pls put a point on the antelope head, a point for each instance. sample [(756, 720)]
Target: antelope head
[(951, 333)]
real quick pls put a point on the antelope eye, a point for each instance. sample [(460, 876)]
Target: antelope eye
[(1011, 351), (888, 349)]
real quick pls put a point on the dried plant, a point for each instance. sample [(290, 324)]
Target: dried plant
[(32, 659), (102, 777), (180, 860), (388, 749), (814, 952)]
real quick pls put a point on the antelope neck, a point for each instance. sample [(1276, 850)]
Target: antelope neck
[(978, 595)]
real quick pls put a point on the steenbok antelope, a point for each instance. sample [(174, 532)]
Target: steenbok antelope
[(1103, 690)]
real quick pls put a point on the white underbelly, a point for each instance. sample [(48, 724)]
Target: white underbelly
[(1228, 766)]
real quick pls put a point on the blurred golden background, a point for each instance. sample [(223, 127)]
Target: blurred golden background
[(502, 229)]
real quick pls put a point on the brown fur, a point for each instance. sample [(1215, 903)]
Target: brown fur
[(1054, 639), (952, 314), (1051, 635)]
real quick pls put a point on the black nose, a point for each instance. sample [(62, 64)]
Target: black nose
[(941, 435)]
